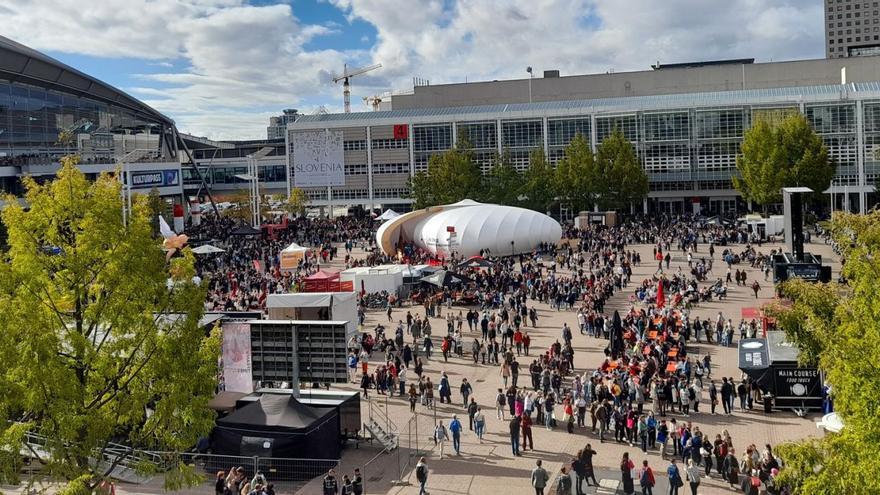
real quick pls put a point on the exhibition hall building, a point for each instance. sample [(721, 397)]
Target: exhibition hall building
[(686, 122)]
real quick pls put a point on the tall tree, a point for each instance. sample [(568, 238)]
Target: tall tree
[(576, 176), (451, 177), (539, 187), (782, 155), (504, 183), (295, 204), (99, 338), (621, 179), (843, 329)]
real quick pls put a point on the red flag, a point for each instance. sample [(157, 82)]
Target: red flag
[(661, 299)]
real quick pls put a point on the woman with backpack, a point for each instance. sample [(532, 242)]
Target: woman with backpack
[(646, 479)]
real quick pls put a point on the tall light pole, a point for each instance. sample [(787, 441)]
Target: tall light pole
[(529, 70), (125, 179), (253, 179)]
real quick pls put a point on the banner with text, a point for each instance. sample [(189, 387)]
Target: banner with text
[(237, 370), (318, 159)]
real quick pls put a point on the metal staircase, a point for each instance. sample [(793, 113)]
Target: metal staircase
[(381, 428)]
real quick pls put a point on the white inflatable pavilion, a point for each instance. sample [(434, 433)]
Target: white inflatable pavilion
[(467, 227)]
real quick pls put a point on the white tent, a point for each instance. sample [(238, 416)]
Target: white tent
[(389, 214), (376, 279), (291, 255), (467, 227), (207, 249), (326, 306)]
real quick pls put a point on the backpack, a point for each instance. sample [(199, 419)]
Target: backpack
[(646, 479), (421, 473), (691, 394)]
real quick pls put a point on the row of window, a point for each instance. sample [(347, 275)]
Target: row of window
[(390, 144)]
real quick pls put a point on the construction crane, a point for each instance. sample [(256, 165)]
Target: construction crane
[(346, 83)]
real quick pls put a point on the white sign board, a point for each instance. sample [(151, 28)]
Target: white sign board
[(318, 159), (237, 359)]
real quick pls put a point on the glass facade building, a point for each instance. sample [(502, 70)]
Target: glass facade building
[(686, 143)]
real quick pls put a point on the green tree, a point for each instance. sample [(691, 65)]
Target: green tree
[(504, 183), (539, 187), (620, 178), (451, 177), (783, 155), (576, 176), (295, 204), (157, 206), (99, 336), (844, 330)]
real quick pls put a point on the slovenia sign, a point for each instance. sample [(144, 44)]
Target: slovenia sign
[(318, 159)]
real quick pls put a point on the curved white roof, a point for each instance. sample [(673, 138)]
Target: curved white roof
[(467, 227)]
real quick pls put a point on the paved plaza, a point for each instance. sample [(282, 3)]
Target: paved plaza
[(490, 468)]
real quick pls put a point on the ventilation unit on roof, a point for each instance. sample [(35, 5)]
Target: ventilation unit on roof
[(551, 73)]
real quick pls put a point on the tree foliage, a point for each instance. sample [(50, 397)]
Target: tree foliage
[(88, 343), (451, 177), (782, 155), (847, 345), (538, 182), (576, 176), (620, 179), (295, 204), (504, 183)]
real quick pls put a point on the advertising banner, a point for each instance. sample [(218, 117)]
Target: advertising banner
[(237, 359), (318, 159), (802, 383), (154, 178)]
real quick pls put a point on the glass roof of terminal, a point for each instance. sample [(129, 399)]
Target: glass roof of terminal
[(610, 104)]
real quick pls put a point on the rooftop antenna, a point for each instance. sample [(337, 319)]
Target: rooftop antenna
[(346, 76)]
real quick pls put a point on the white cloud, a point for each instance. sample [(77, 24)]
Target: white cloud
[(246, 61)]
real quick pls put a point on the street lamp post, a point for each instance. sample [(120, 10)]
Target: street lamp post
[(125, 179), (253, 179), (529, 70)]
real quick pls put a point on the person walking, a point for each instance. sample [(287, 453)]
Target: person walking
[(587, 460), (466, 390), (539, 478), (440, 436), (422, 476), (330, 485), (693, 476), (526, 427), (480, 423), (646, 479), (500, 402), (626, 467), (357, 482), (455, 428), (514, 435), (472, 412), (674, 475)]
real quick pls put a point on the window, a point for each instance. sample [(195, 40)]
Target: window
[(666, 126), (720, 124), (480, 135), (390, 144), (357, 145), (560, 132), (628, 124), (355, 169), (831, 119), (432, 137), (390, 168), (522, 134)]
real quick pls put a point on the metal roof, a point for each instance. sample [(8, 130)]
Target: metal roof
[(24, 64), (792, 95)]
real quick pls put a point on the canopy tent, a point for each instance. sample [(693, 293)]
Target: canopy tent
[(389, 214), (322, 281), (244, 230), (207, 249), (291, 256), (278, 425), (443, 278), (317, 306), (476, 262)]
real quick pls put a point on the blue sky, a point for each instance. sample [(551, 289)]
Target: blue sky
[(220, 68)]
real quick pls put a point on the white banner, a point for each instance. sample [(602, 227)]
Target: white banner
[(237, 364), (318, 159)]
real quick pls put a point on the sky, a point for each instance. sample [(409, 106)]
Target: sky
[(221, 68)]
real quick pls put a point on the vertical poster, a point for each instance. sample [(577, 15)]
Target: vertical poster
[(237, 362), (318, 159)]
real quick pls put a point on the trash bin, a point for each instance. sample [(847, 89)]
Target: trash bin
[(768, 403)]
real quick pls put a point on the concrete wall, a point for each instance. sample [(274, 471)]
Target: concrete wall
[(644, 83)]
